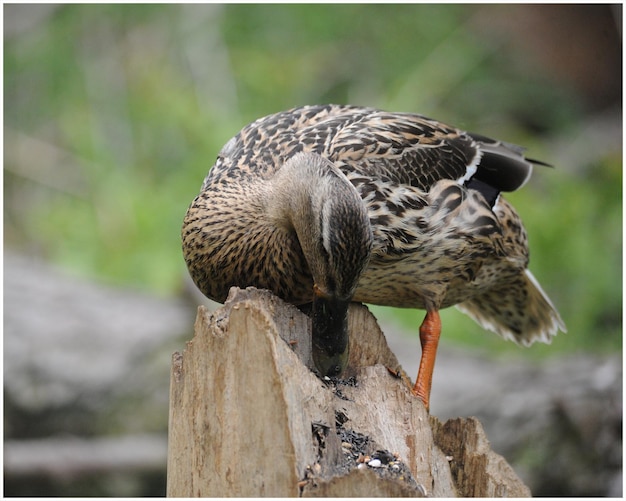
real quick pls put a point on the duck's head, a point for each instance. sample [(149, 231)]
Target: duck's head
[(334, 231)]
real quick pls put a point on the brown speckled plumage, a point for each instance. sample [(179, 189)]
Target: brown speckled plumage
[(421, 223)]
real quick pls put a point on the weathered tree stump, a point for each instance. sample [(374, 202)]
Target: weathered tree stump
[(248, 416)]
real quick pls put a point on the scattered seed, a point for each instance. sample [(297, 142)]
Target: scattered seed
[(384, 456)]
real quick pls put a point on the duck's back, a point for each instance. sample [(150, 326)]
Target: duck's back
[(403, 148), (261, 147)]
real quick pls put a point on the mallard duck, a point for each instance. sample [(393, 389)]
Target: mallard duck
[(332, 204)]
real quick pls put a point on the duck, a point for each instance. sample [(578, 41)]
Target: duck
[(325, 205)]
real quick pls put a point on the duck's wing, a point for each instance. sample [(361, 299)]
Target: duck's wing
[(414, 150), (406, 149)]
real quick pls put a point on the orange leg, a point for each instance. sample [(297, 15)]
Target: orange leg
[(429, 338)]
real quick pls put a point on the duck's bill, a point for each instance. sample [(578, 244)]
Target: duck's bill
[(330, 335)]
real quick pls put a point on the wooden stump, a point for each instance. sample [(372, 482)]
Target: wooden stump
[(248, 416)]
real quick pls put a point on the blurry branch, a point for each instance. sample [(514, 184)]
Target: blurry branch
[(208, 58), (572, 148), (20, 19), (63, 457), (105, 77), (44, 163)]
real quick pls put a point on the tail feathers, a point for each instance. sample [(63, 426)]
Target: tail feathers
[(518, 310)]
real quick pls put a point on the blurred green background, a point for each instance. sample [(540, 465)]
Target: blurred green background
[(114, 115)]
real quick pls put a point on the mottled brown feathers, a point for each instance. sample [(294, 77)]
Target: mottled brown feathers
[(425, 219)]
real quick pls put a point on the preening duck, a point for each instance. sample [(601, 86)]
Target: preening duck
[(332, 204)]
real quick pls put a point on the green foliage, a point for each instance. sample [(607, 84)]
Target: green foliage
[(115, 113)]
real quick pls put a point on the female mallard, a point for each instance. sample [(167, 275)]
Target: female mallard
[(332, 204)]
